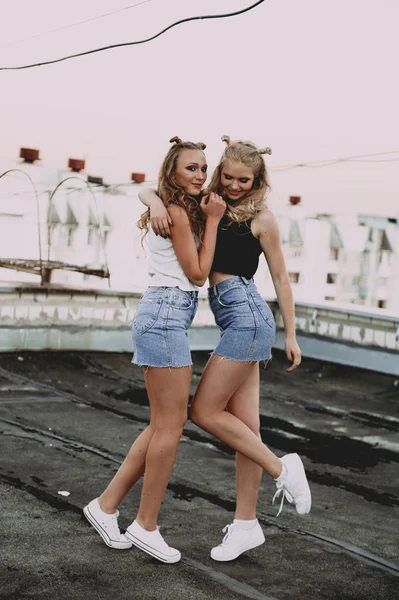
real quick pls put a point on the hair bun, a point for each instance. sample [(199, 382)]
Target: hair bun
[(264, 151), (226, 138), (175, 140)]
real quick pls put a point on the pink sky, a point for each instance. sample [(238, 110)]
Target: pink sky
[(311, 79)]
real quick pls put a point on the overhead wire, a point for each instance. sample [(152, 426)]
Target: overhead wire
[(144, 41), (314, 164), (69, 25)]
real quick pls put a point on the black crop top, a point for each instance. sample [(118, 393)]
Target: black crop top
[(237, 250)]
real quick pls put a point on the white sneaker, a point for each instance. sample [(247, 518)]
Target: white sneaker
[(106, 525), (293, 485), (152, 542), (236, 541)]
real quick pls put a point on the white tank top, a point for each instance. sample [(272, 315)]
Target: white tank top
[(163, 267)]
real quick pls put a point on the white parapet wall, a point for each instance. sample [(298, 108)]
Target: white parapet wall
[(50, 318), (345, 334)]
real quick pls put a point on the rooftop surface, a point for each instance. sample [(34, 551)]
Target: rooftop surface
[(67, 421)]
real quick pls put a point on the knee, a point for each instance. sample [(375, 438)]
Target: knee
[(195, 416), (171, 428), (198, 417)]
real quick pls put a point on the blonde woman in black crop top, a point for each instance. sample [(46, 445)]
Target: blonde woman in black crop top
[(226, 402)]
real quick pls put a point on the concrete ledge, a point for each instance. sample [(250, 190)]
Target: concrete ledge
[(370, 358), (39, 318)]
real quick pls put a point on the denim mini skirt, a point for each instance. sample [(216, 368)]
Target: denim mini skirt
[(246, 323), (160, 326)]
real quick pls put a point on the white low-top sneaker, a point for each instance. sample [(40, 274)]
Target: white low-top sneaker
[(106, 525), (152, 542), (293, 485), (236, 541)]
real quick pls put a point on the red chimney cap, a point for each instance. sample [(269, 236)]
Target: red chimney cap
[(76, 164), (138, 177), (30, 155)]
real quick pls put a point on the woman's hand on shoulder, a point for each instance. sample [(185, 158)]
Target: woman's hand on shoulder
[(160, 219), (213, 206), (159, 216)]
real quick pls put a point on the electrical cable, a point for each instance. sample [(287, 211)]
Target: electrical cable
[(314, 164), (63, 27), (186, 20)]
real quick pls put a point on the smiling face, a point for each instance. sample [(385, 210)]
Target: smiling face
[(190, 171), (236, 179)]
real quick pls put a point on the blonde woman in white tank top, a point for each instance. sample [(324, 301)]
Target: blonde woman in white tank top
[(177, 267)]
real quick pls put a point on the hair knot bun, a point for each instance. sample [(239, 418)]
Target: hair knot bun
[(264, 151)]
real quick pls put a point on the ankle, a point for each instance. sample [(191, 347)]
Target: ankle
[(245, 523), (147, 524), (283, 473), (245, 516), (106, 507)]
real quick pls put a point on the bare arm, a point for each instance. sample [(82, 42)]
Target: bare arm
[(159, 216), (196, 265), (266, 229)]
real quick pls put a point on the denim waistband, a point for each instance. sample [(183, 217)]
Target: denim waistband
[(192, 293), (225, 285)]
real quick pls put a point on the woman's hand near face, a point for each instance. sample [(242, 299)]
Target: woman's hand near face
[(293, 352), (213, 206)]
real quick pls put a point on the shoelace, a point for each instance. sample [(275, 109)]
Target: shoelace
[(227, 528), (114, 524), (281, 490)]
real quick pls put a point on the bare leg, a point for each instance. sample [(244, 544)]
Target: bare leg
[(133, 466), (219, 382), (153, 453), (128, 473), (168, 392), (244, 404)]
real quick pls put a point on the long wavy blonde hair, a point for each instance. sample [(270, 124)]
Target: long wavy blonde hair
[(171, 192), (249, 155)]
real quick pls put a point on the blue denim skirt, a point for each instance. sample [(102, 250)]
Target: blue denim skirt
[(246, 323), (160, 326)]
